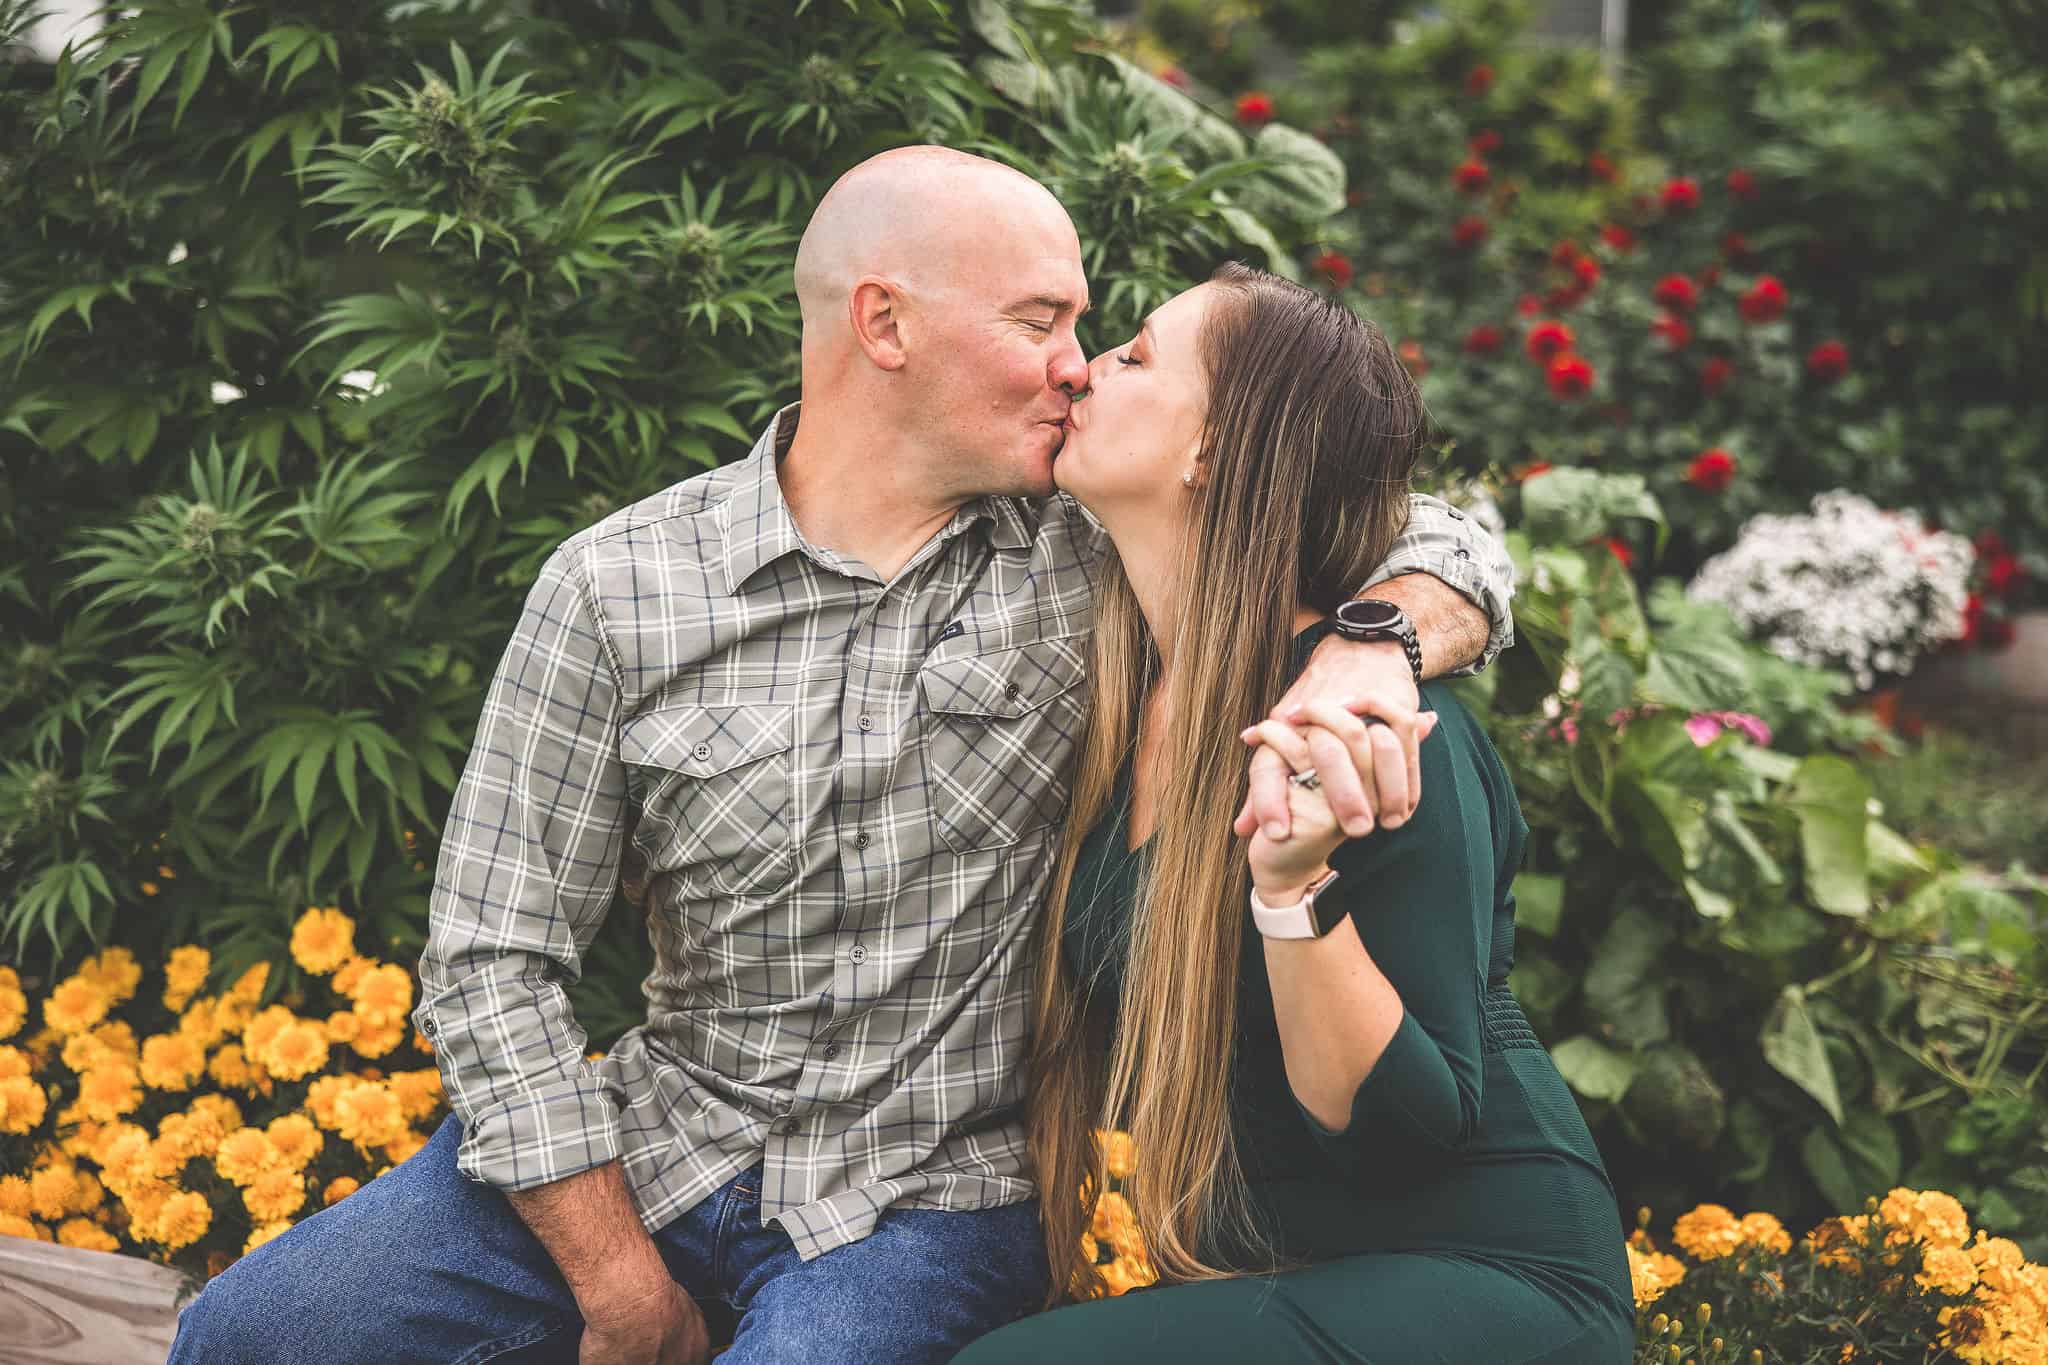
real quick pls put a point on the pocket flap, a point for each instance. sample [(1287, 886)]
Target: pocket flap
[(706, 740), (1004, 683)]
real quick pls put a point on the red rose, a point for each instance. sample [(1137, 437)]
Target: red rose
[(1677, 293), (1828, 361), (1588, 271), (1528, 305), (1484, 141), (1765, 301), (1524, 473), (1681, 195), (1468, 231), (2003, 574), (1735, 246), (1569, 376), (1174, 77), (1741, 184), (1548, 340), (1712, 471), (1254, 108), (1565, 296), (1565, 252), (1600, 168), (1479, 80), (1484, 339), (1715, 374), (1471, 176), (1334, 267), (1620, 550), (1618, 237), (1675, 331)]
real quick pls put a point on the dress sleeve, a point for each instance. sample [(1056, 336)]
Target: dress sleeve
[(1422, 898)]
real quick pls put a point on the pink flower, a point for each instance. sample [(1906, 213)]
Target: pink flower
[(1704, 726)]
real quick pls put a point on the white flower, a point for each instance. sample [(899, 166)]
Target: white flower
[(224, 392), (1852, 586), (365, 381), (178, 253)]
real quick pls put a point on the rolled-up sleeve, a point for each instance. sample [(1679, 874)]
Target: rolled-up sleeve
[(528, 867), (1447, 544)]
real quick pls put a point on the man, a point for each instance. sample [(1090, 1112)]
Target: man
[(823, 701)]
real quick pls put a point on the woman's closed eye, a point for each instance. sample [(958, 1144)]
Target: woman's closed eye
[(1130, 359)]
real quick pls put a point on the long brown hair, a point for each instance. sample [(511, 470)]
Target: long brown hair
[(1310, 438)]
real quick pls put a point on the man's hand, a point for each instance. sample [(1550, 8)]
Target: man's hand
[(1371, 774), (661, 1326)]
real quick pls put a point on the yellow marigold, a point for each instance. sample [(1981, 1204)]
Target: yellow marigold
[(118, 1038), (321, 1095), (196, 1132), (297, 1051), (203, 1022), (2025, 1351), (184, 973), (40, 1044), (248, 987), (83, 1232), (1948, 1270), (221, 1108), (1126, 1273), (1118, 1153), (262, 1031), (297, 1139), (1924, 1216), (348, 974), (245, 1154), (1838, 1241), (75, 1005), (383, 995), (50, 1192), (343, 1026), (338, 1189), (230, 1013), (171, 1061), (87, 1194), (323, 939), (144, 1200), (183, 1220), (14, 1062), (401, 1148), (113, 1138), (15, 1197), (419, 1092), (1969, 1331), (367, 1114), (115, 971), (1114, 1222), (1764, 1230), (84, 1052), (12, 1225), (274, 1195), (110, 1090), (230, 1067), (265, 1232), (13, 1011), (378, 1041), (1652, 1274), (1708, 1233), (9, 979), (22, 1104)]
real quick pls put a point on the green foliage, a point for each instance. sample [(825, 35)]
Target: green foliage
[(322, 327)]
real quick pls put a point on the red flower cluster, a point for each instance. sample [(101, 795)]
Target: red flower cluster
[(1618, 237), (1828, 361), (1711, 471), (1484, 141), (1677, 293), (1681, 194), (1548, 340), (1764, 302), (1254, 108), (1484, 339), (1674, 331), (1569, 376), (1471, 176), (1741, 184), (1992, 632), (2003, 571), (1714, 375), (1479, 80), (1334, 267), (1468, 231)]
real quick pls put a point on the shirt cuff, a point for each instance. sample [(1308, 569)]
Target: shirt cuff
[(1453, 548), (543, 1135)]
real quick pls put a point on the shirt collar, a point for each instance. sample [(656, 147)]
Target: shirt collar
[(759, 528)]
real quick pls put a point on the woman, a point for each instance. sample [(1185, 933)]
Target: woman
[(1348, 1147)]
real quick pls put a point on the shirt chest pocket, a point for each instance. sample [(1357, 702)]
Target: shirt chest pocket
[(716, 798), (1001, 729)]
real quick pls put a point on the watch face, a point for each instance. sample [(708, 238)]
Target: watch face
[(1369, 614)]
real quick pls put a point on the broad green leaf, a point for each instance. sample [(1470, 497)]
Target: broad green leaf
[(1793, 1047), (1594, 1069), (1831, 799), (1539, 903)]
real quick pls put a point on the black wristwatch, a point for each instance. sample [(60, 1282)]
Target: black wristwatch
[(1369, 618)]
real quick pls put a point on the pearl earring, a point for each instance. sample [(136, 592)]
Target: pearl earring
[(1188, 479)]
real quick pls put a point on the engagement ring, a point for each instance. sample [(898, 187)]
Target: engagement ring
[(1307, 779)]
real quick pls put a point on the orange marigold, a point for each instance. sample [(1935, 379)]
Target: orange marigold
[(245, 1154), (220, 1108), (230, 1067), (338, 1189), (184, 973), (12, 1225), (22, 1104), (83, 1232), (1924, 1216), (1764, 1230), (379, 1041), (419, 1092), (51, 1190), (348, 974), (13, 1011), (1708, 1233), (264, 1233), (183, 1220), (172, 1061), (109, 1090), (275, 1194), (75, 1006), (367, 1114), (15, 1197), (248, 987), (344, 1026), (383, 995), (297, 1051), (297, 1139), (323, 939), (14, 1062), (1947, 1270), (1652, 1273), (115, 971), (321, 1095)]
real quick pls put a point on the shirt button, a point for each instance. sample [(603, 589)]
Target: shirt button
[(701, 752), (1464, 553), (861, 840), (831, 1051), (858, 953), (867, 722), (1012, 692), (431, 1029)]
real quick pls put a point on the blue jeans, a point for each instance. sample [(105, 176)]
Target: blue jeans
[(423, 1264)]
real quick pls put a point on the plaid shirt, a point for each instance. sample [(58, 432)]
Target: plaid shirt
[(843, 798)]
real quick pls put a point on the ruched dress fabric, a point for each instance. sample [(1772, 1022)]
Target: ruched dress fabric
[(1463, 1216)]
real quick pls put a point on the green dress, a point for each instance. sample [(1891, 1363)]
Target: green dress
[(1464, 1215)]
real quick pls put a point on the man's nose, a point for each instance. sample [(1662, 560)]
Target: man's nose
[(1069, 370)]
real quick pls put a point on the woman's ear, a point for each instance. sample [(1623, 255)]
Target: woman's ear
[(875, 312)]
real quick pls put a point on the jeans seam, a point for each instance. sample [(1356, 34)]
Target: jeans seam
[(719, 1239), (492, 1349)]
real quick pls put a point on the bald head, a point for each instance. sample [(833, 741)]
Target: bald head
[(923, 217)]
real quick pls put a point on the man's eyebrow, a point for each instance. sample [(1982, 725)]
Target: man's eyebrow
[(1052, 303)]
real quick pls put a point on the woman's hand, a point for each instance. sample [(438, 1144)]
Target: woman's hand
[(1283, 867)]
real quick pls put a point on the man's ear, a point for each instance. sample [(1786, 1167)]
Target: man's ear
[(875, 311)]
